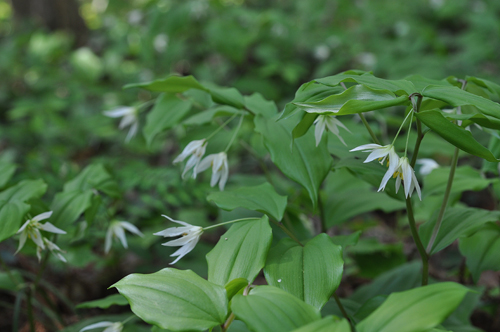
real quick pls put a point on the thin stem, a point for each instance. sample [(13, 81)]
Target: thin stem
[(17, 310), (220, 127), (29, 304), (324, 228), (408, 134), (447, 192), (235, 133), (45, 259), (228, 322), (418, 242), (370, 131), (261, 162), (401, 127), (287, 232), (226, 222), (342, 309), (420, 137)]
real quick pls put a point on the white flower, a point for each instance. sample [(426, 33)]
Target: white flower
[(195, 149), (189, 237), (427, 165), (406, 173), (53, 248), (129, 118), (32, 227), (117, 229), (220, 170), (111, 327), (330, 122), (381, 153)]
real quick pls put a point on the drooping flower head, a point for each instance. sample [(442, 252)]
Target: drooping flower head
[(189, 237), (405, 173), (110, 327), (53, 249), (117, 229), (129, 118), (195, 149), (330, 122), (220, 169)]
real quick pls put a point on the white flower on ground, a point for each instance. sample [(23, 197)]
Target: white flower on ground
[(195, 149), (427, 165), (129, 118), (117, 229), (189, 237), (330, 122), (220, 169), (406, 174), (31, 229), (110, 327), (381, 153), (53, 248)]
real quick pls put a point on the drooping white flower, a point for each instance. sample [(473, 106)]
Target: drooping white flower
[(220, 169), (330, 122), (406, 174), (110, 327), (53, 248), (31, 229), (381, 153), (427, 165), (117, 229), (129, 118), (195, 149), (189, 237)]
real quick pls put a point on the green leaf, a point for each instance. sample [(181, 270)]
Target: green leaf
[(489, 85), (304, 125), (241, 252), (235, 286), (175, 300), (11, 216), (466, 178), (94, 176), (346, 240), (258, 105), (399, 87), (207, 116), (421, 82), (458, 97), (68, 206), (481, 119), (356, 99), (226, 96), (327, 324), (7, 169), (306, 164), (262, 198), (481, 250), (431, 304), (454, 134), (171, 84), (457, 222), (167, 113), (312, 273), (24, 191), (108, 301), (270, 309)]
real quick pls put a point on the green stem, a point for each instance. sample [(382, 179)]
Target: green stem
[(420, 137), (370, 131), (324, 228), (226, 222), (418, 242), (261, 162), (235, 133), (228, 322), (447, 192), (342, 309), (17, 310), (287, 232), (29, 304), (220, 127)]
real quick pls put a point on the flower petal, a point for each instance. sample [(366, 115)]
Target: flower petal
[(48, 227), (42, 216), (120, 234), (366, 147), (183, 251), (131, 228), (96, 325), (108, 239), (119, 112), (23, 227)]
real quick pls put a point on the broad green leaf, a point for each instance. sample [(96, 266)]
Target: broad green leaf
[(24, 190), (7, 169), (457, 222), (466, 178), (491, 86), (174, 299), (304, 125), (312, 273), (262, 198), (458, 97), (94, 176), (481, 250), (356, 99), (368, 307), (270, 309), (226, 96), (167, 113), (235, 286), (68, 206), (481, 119), (258, 105), (171, 84), (108, 301), (241, 252), (402, 278), (399, 87), (454, 134), (421, 82), (207, 116), (346, 240), (306, 164), (11, 217), (459, 320), (431, 304), (327, 324)]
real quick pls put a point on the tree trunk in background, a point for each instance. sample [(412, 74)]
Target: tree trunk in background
[(55, 15)]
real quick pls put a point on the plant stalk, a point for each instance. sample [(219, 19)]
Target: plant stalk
[(342, 309), (418, 242), (287, 232)]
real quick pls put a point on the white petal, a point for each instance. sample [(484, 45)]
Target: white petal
[(120, 234), (189, 149), (61, 257), (48, 227), (182, 240), (192, 162), (42, 216), (131, 228), (385, 179), (224, 176), (215, 177), (376, 154), (119, 112), (183, 251), (205, 163), (318, 131), (366, 147), (417, 186), (132, 131), (108, 239), (96, 325), (22, 241), (39, 253), (37, 238), (398, 183), (406, 168), (173, 231), (23, 227)]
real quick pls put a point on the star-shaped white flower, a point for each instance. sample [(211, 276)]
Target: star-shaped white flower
[(330, 122), (381, 153), (406, 174), (53, 249), (220, 169), (31, 229), (427, 165), (195, 149), (110, 327), (189, 237), (129, 118), (117, 229)]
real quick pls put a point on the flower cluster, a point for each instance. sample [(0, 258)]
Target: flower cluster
[(117, 229), (129, 118), (328, 121)]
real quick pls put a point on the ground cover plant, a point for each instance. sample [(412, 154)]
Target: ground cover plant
[(183, 204)]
